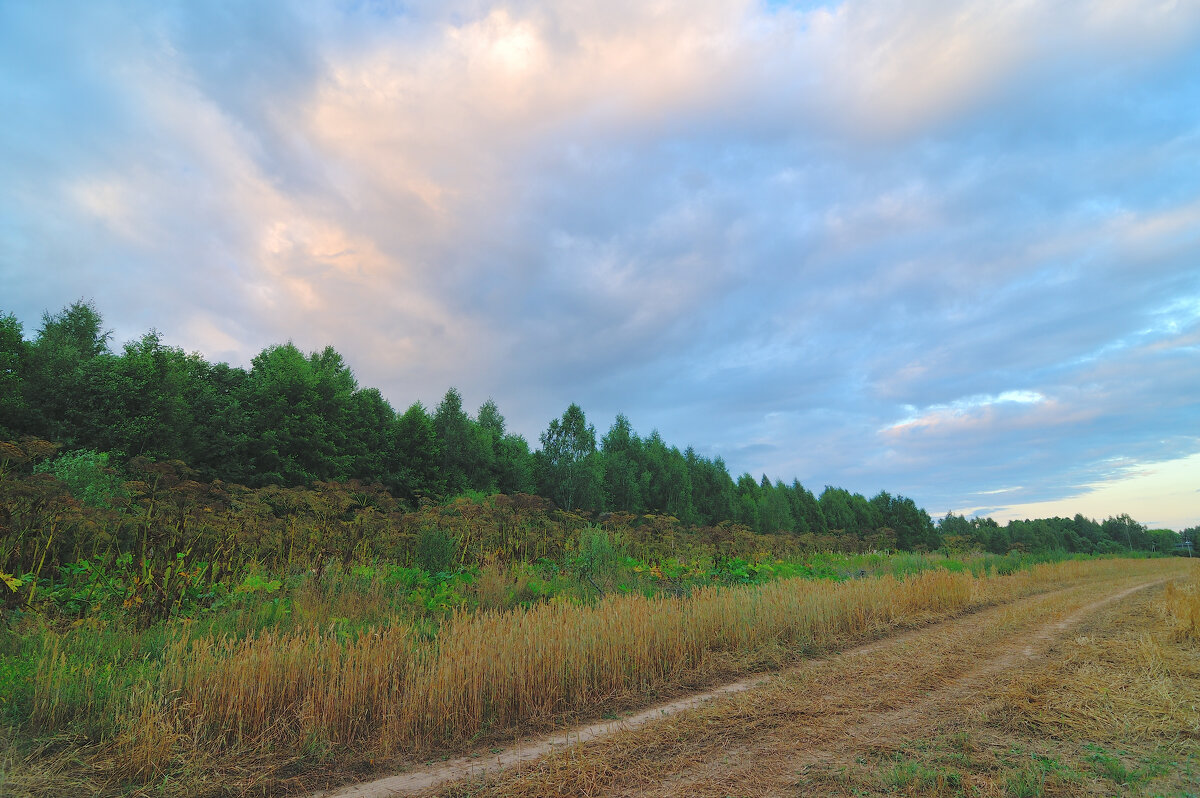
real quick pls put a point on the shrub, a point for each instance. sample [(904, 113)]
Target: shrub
[(598, 557), (88, 476), (435, 550)]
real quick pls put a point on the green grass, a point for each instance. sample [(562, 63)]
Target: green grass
[(1031, 779), (911, 774), (1114, 767)]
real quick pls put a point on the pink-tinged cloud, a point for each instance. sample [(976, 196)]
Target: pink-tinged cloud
[(987, 416), (943, 250)]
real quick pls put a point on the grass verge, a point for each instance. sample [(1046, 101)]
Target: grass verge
[(272, 712), (943, 711)]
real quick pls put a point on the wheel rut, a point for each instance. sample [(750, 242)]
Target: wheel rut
[(858, 732)]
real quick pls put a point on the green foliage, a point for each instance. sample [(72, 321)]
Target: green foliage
[(1115, 535), (570, 469), (912, 775), (774, 509), (1115, 769), (59, 384), (89, 476), (299, 406), (149, 590), (514, 465), (669, 488), (300, 419), (417, 452), (90, 585), (435, 550), (256, 583), (597, 558), (712, 490), (14, 355), (462, 461), (626, 481), (736, 571)]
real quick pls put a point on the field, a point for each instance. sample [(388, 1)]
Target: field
[(296, 685), (1089, 690)]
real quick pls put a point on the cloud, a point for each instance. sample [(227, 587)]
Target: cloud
[(1157, 495), (963, 412), (943, 251)]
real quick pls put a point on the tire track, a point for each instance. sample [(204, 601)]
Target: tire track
[(476, 767), (917, 715)]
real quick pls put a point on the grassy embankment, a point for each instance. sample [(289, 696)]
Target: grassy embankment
[(339, 675)]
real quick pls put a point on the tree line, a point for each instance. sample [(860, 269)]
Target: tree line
[(1113, 535), (294, 418)]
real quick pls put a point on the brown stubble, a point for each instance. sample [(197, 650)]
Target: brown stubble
[(812, 729)]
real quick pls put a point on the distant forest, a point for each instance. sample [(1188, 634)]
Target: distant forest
[(297, 419)]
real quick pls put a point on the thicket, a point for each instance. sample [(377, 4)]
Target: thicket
[(78, 536), (156, 540), (296, 420), (1117, 534)]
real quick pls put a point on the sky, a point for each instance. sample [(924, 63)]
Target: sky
[(946, 249)]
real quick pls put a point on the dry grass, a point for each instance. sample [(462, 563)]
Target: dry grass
[(902, 717), (273, 699), (1137, 680), (1182, 608), (55, 767), (492, 671)]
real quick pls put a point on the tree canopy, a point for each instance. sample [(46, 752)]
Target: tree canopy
[(296, 418)]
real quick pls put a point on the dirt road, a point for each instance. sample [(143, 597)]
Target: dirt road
[(755, 736)]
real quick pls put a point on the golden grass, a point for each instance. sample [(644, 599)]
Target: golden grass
[(54, 767), (1182, 607), (500, 670), (394, 692), (850, 725), (1138, 680)]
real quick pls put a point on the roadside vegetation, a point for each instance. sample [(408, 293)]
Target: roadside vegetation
[(1114, 710), (1070, 693), (221, 581), (279, 666)]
